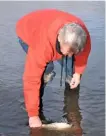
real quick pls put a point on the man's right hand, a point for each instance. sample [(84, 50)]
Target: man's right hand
[(35, 122)]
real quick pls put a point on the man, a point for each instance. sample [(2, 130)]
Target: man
[(48, 35)]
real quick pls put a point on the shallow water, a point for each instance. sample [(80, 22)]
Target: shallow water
[(87, 103)]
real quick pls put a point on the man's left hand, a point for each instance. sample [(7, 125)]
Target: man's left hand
[(75, 81)]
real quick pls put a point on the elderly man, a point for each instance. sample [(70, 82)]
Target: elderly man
[(48, 35)]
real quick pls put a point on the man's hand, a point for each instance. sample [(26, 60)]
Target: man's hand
[(75, 81), (35, 122)]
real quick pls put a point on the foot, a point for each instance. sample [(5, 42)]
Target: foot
[(35, 122), (49, 77)]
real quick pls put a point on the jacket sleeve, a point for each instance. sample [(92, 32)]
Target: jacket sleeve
[(34, 67), (82, 58)]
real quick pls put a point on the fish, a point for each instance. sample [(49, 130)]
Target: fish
[(61, 123), (57, 126)]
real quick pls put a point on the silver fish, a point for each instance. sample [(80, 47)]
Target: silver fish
[(57, 126)]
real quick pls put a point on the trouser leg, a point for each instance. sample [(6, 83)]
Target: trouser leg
[(23, 45), (46, 77)]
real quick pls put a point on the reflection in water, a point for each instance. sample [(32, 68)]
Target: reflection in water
[(71, 107), (36, 132), (72, 114)]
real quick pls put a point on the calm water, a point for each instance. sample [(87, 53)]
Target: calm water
[(88, 102)]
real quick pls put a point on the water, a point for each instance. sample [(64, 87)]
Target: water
[(87, 103)]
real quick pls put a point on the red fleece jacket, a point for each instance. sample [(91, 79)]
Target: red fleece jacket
[(39, 30)]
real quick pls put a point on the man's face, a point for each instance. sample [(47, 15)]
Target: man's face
[(66, 50)]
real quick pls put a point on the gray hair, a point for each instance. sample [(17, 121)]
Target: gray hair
[(74, 35)]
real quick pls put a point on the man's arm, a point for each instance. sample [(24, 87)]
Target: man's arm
[(80, 64), (34, 67)]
